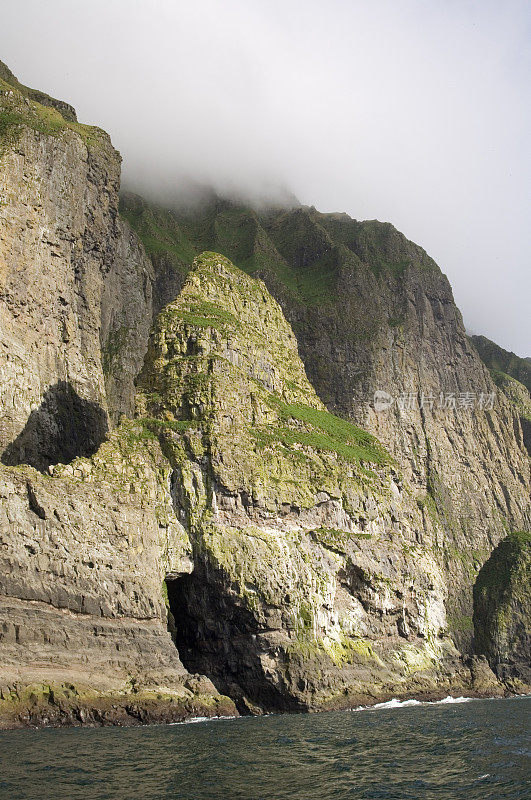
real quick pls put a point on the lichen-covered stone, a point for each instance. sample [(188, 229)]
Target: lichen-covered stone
[(502, 609), (309, 579), (372, 311)]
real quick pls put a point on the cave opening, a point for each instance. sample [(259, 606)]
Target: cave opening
[(217, 637), (64, 427), (182, 627)]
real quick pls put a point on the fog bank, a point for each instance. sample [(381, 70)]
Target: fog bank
[(415, 112)]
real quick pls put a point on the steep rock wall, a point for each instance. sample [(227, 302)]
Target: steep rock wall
[(304, 567), (83, 556), (66, 262), (84, 547), (502, 609), (314, 583), (371, 311)]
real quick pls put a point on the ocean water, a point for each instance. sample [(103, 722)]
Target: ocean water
[(478, 750)]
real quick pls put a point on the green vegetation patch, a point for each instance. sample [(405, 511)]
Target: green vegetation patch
[(18, 112), (10, 128), (316, 441), (496, 572), (501, 601), (206, 315), (460, 623), (244, 237), (503, 363), (335, 427), (160, 233), (322, 431)]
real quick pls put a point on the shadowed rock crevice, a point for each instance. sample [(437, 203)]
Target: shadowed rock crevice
[(64, 427), (526, 433)]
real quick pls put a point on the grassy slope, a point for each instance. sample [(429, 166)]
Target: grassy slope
[(22, 107), (295, 422), (501, 361), (300, 249)]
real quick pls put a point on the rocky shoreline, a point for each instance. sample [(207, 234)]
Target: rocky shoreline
[(35, 706), (144, 708)]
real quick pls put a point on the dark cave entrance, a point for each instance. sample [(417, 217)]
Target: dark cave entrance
[(182, 627), (216, 636), (210, 630), (62, 428)]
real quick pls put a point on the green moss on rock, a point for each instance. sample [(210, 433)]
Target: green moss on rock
[(223, 358), (502, 608), (25, 109), (300, 252)]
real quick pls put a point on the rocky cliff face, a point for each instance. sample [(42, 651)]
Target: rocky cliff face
[(502, 608), (83, 553), (512, 375), (502, 361), (312, 586), (371, 311), (72, 279), (83, 622), (181, 515)]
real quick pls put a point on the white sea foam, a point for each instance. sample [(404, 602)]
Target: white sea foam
[(193, 720), (395, 703), (451, 699)]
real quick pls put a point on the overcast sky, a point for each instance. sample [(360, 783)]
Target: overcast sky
[(415, 112)]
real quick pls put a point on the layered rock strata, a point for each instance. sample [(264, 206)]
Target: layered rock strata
[(314, 584), (372, 311), (235, 537), (87, 531)]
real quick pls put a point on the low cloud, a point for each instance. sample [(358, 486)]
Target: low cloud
[(414, 112)]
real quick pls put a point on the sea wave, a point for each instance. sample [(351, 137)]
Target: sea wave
[(395, 703), (193, 720), (451, 699)]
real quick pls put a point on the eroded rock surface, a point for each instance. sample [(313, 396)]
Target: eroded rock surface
[(235, 537), (502, 609), (372, 311), (74, 283), (85, 546), (314, 583), (83, 557)]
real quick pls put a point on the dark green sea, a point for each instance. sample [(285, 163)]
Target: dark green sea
[(475, 750)]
